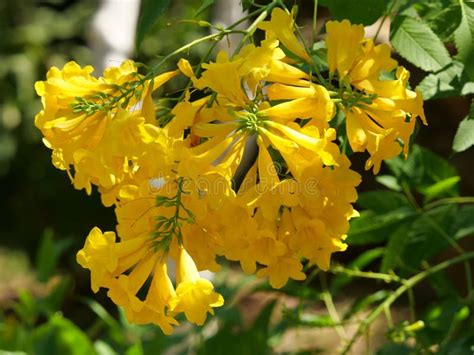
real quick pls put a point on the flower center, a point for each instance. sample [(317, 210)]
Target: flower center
[(249, 122)]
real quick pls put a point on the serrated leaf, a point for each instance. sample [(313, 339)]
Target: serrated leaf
[(150, 11), (364, 12), (464, 138), (446, 21), (464, 36), (417, 43), (445, 83)]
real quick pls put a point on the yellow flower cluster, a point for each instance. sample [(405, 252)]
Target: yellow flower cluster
[(246, 167), (387, 110)]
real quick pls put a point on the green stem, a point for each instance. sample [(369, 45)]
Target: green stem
[(315, 18), (449, 200), (366, 274), (384, 18), (328, 301), (408, 284)]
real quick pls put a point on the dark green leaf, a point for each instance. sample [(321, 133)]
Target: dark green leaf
[(150, 11), (464, 138), (365, 12), (253, 340), (422, 170), (464, 36), (417, 43), (395, 247), (430, 235), (48, 254), (374, 228), (382, 201), (463, 225), (442, 285), (446, 21), (204, 6), (395, 349), (246, 4), (441, 318), (364, 302), (61, 336)]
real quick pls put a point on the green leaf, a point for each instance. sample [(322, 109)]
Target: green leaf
[(373, 228), (441, 318), (464, 36), (464, 138), (150, 11), (449, 81), (423, 169), (446, 21), (315, 320), (382, 201), (468, 88), (364, 302), (432, 233), (48, 254), (417, 43), (113, 327), (61, 336), (253, 340), (102, 348), (395, 247), (204, 6), (246, 4), (440, 188), (395, 349), (365, 12), (463, 225), (389, 181), (135, 349)]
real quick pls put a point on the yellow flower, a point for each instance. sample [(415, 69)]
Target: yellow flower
[(283, 269), (82, 138), (310, 101), (282, 27), (380, 114), (343, 42), (195, 296)]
